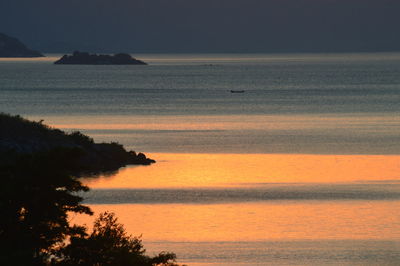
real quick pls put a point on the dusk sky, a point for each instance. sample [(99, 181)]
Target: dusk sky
[(204, 26)]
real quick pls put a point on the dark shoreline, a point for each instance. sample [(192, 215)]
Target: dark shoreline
[(19, 136)]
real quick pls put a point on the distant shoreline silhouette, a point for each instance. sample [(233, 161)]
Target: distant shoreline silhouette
[(12, 47)]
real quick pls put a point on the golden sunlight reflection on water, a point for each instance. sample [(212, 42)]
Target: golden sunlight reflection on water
[(254, 221), (280, 220), (237, 170), (226, 122)]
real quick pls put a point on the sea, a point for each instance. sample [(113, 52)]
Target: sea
[(262, 159)]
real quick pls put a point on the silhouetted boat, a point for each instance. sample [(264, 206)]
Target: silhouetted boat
[(237, 91)]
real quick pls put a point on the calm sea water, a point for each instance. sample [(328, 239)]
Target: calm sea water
[(303, 168), (329, 104)]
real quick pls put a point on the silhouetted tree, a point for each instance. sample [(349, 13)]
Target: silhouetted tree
[(38, 174), (81, 139), (36, 193), (109, 244)]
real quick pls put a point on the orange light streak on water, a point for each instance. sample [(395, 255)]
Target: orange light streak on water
[(258, 221), (233, 170)]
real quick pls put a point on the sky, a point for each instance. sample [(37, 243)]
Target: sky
[(204, 25)]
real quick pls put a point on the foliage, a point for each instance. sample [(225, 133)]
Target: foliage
[(81, 139), (36, 194), (37, 136), (38, 169), (23, 136), (109, 244)]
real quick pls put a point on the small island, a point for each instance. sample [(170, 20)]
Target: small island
[(12, 47), (83, 58)]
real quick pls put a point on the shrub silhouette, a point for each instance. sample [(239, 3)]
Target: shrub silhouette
[(37, 192), (39, 167), (109, 244)]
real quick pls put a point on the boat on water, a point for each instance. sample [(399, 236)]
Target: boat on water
[(237, 91)]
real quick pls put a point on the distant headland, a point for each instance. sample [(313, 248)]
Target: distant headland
[(12, 47), (83, 58), (20, 136)]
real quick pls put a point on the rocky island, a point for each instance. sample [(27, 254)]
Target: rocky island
[(19, 136), (12, 47), (83, 58)]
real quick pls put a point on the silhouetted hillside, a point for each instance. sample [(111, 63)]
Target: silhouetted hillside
[(80, 58), (21, 136), (12, 47), (39, 170)]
